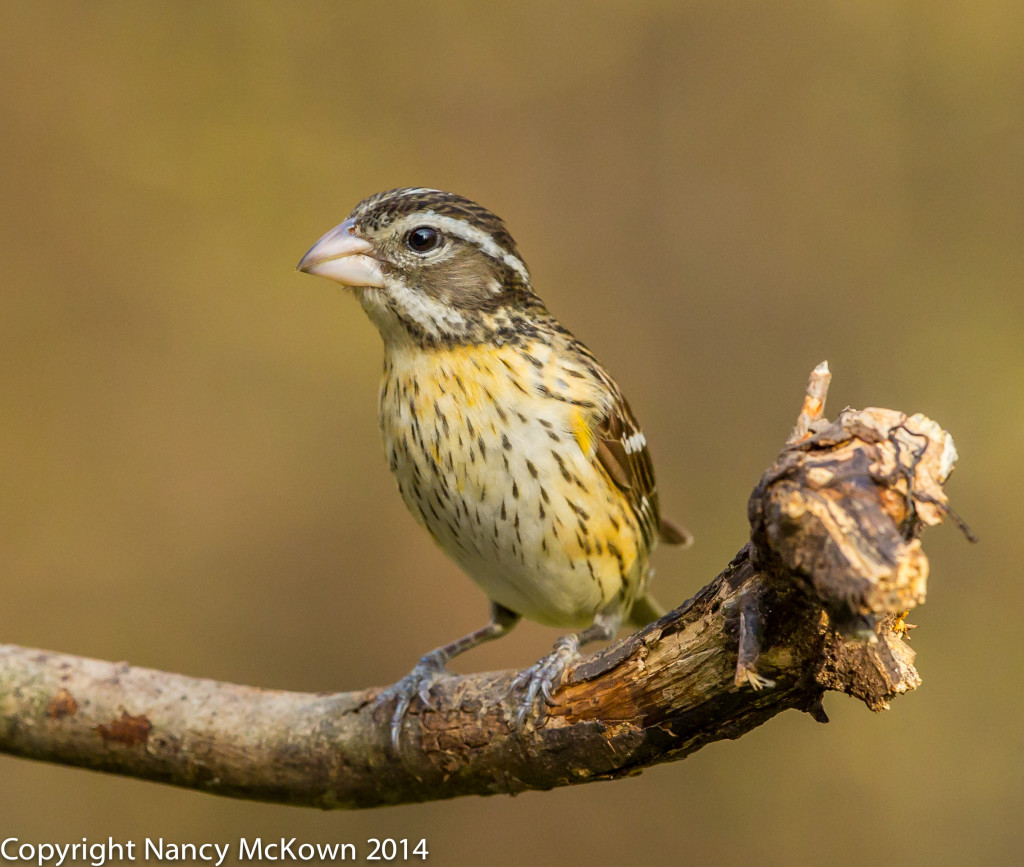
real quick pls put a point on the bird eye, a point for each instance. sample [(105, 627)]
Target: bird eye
[(423, 239)]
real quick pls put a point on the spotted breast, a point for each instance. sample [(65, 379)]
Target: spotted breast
[(503, 477)]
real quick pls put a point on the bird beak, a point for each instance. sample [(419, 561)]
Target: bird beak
[(344, 257)]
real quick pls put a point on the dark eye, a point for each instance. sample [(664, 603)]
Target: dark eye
[(423, 239)]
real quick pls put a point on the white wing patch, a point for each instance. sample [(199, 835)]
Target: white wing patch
[(635, 443)]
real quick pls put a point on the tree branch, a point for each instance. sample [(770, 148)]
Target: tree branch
[(814, 602)]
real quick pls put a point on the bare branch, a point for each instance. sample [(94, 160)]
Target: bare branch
[(815, 601)]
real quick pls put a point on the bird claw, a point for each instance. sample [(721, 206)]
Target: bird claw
[(538, 682), (749, 676), (416, 684)]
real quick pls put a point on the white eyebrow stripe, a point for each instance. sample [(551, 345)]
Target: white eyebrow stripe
[(468, 232)]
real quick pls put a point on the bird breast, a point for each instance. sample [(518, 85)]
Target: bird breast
[(493, 451)]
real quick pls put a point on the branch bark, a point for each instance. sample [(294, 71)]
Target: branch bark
[(815, 601)]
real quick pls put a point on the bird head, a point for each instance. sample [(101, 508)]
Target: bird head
[(428, 266)]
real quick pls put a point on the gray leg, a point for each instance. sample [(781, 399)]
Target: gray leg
[(749, 645), (540, 679), (431, 667)]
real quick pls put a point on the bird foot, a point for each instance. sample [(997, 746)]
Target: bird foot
[(748, 675), (417, 682), (538, 682)]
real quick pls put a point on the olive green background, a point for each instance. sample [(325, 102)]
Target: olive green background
[(714, 196)]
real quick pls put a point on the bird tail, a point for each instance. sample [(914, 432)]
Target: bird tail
[(671, 533)]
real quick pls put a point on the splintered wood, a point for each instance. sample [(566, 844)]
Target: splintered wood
[(843, 505), (814, 403)]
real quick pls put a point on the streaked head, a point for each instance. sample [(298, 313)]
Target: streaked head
[(426, 264)]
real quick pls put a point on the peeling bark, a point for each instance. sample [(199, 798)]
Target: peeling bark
[(815, 601)]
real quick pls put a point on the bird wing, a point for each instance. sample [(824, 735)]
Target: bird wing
[(622, 452)]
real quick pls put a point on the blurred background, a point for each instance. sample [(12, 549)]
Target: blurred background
[(715, 197)]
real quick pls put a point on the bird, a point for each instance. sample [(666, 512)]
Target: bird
[(511, 444)]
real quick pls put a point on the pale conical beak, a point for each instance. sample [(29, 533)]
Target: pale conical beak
[(342, 256)]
